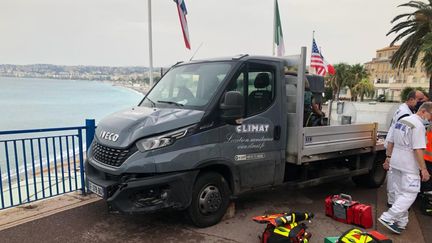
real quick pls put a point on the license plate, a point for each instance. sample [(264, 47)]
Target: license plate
[(96, 189)]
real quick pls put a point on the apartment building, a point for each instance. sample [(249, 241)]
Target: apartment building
[(390, 81)]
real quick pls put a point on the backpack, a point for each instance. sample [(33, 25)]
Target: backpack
[(355, 235), (292, 233), (284, 228)]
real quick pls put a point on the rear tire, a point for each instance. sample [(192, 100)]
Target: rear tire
[(210, 200), (376, 176)]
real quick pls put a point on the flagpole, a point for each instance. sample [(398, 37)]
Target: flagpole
[(313, 35), (274, 26), (150, 44)]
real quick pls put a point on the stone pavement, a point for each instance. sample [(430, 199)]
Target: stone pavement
[(92, 223)]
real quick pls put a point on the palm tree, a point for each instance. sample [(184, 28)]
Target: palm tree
[(364, 87), (356, 73), (414, 27), (427, 58), (339, 80)]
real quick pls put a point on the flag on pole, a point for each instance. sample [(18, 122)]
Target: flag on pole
[(278, 36), (329, 68), (317, 61), (182, 12)]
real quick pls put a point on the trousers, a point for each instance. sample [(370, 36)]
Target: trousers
[(406, 186), (390, 187)]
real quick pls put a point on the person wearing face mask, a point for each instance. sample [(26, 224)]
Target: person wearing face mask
[(406, 143), (414, 98), (413, 101), (421, 98)]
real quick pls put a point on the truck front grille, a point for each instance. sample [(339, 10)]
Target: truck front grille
[(111, 156)]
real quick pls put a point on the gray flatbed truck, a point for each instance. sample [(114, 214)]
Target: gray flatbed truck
[(211, 130)]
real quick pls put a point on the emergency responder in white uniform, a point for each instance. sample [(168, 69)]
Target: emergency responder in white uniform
[(406, 142), (413, 101)]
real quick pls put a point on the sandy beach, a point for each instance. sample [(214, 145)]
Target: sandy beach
[(140, 88)]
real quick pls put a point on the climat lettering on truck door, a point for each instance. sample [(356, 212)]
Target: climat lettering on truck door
[(250, 136), (252, 128)]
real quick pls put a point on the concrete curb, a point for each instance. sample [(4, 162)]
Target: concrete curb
[(32, 211)]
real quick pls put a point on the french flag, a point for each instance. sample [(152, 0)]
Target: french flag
[(182, 11)]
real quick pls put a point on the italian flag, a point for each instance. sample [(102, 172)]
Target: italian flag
[(278, 36)]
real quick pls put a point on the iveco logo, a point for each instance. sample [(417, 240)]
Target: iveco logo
[(109, 136)]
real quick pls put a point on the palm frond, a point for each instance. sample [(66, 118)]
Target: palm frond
[(409, 49), (400, 26), (402, 35), (401, 16), (414, 4)]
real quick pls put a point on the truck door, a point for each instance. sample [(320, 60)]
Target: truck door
[(254, 144)]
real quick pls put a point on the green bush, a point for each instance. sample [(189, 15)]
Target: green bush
[(406, 90)]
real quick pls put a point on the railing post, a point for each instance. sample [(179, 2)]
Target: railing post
[(81, 161), (90, 132)]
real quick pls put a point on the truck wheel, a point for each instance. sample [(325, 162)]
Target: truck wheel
[(210, 200), (376, 176)]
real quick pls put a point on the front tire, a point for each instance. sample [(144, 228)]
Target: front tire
[(210, 199)]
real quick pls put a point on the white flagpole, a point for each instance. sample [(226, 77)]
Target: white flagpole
[(274, 26), (150, 43)]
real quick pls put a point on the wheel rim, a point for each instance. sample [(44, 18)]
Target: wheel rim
[(210, 200)]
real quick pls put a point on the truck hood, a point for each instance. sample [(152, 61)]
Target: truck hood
[(123, 128)]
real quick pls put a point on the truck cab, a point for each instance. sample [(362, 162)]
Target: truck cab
[(213, 129)]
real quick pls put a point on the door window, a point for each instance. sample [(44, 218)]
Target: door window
[(256, 84)]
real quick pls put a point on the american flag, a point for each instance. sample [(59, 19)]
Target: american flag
[(317, 60), (182, 12)]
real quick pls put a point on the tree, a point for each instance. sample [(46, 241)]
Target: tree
[(339, 80), (404, 93), (427, 59), (355, 74), (413, 28), (406, 90), (364, 88)]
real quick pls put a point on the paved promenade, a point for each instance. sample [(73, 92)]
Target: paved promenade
[(92, 223)]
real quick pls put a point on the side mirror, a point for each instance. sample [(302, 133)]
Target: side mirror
[(232, 107)]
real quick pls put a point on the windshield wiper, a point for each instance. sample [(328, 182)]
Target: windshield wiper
[(152, 102), (170, 102)]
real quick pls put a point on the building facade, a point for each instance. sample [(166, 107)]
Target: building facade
[(389, 81)]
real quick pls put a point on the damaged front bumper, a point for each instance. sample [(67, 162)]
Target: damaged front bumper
[(135, 193)]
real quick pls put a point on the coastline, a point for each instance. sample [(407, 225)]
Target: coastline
[(141, 89)]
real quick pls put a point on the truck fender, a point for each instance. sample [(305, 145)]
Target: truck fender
[(226, 169)]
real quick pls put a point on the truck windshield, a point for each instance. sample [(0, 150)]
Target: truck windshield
[(189, 86)]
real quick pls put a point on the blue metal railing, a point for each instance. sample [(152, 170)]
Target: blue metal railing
[(42, 163)]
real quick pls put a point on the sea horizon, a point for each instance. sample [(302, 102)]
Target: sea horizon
[(33, 103)]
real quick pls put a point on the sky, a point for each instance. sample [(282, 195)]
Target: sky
[(115, 32)]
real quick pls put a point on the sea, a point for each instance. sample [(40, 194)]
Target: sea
[(34, 103), (31, 103)]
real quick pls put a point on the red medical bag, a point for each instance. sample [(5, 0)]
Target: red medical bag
[(343, 209)]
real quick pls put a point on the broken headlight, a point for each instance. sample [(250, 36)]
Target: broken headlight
[(163, 140)]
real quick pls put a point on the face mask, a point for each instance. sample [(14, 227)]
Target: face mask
[(424, 121), (418, 104)]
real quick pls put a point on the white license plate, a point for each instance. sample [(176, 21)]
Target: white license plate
[(96, 189)]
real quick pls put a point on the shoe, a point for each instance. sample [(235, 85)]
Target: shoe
[(391, 226), (428, 193)]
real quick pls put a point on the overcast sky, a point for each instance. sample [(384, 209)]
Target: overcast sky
[(115, 32)]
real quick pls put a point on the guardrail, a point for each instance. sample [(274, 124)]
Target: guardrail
[(41, 163)]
